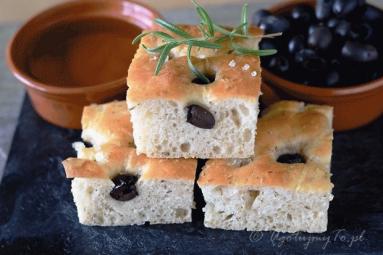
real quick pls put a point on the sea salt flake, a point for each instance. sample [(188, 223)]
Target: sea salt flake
[(232, 63), (245, 67)]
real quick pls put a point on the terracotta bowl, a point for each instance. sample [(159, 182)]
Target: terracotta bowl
[(354, 106), (62, 105)]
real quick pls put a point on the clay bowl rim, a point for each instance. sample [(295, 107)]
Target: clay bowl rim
[(35, 84), (278, 81)]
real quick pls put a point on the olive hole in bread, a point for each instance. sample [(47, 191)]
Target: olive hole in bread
[(209, 76), (291, 158)]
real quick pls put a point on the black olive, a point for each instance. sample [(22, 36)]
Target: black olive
[(371, 13), (361, 32), (359, 52), (332, 23), (332, 78), (302, 13), (267, 44), (343, 28), (361, 3), (320, 37), (323, 9), (303, 54), (124, 188), (279, 63), (296, 43), (311, 28), (200, 117), (343, 8), (309, 60), (259, 15), (274, 24)]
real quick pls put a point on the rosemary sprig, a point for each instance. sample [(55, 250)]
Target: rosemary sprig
[(209, 39)]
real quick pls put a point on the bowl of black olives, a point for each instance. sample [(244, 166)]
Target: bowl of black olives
[(330, 52)]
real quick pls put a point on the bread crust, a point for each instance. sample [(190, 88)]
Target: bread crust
[(112, 120), (285, 127), (174, 81)]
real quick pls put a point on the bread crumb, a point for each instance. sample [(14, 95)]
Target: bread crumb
[(245, 67), (232, 63), (254, 73)]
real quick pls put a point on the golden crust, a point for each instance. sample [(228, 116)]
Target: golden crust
[(174, 81), (111, 121), (119, 155), (286, 127)]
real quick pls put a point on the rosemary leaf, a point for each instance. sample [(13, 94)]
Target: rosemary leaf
[(173, 28), (205, 18), (247, 51), (194, 69), (155, 49), (160, 34), (202, 44), (164, 54), (244, 19)]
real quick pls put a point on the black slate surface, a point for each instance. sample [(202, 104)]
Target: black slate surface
[(37, 214)]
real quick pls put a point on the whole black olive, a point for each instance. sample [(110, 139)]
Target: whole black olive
[(259, 15), (343, 8), (279, 63), (296, 43), (323, 9), (320, 37), (274, 24), (371, 13), (343, 28), (361, 31), (332, 23), (302, 13), (332, 78), (359, 52)]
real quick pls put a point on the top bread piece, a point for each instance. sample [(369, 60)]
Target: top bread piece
[(286, 127), (235, 76), (108, 128)]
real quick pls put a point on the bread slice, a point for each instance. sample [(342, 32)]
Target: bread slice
[(163, 188), (262, 193), (161, 104)]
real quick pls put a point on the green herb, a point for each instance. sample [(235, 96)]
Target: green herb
[(209, 39)]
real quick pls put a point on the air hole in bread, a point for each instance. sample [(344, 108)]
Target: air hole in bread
[(289, 217), (235, 117), (185, 147), (209, 76), (217, 149), (244, 110), (228, 217), (239, 162), (181, 213), (253, 194), (246, 135), (293, 158)]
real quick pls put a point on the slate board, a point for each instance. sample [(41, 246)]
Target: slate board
[(38, 216)]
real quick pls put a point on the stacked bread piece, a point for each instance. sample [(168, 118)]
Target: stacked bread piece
[(142, 165), (114, 186)]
